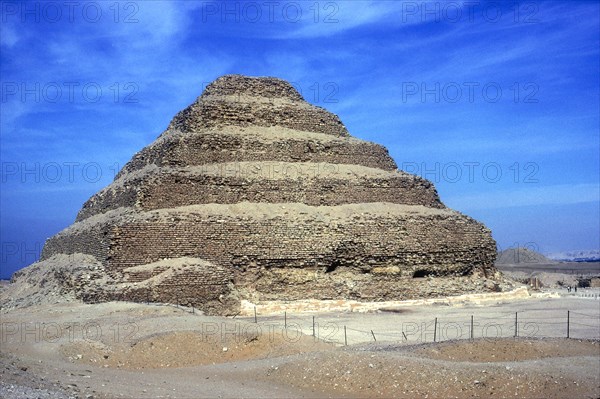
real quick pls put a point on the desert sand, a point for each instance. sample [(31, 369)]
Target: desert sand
[(131, 350)]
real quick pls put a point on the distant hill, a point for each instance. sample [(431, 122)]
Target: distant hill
[(513, 256), (577, 256)]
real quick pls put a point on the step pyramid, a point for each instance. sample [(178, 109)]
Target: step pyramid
[(254, 194)]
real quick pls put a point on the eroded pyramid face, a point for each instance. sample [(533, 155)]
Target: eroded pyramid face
[(254, 194)]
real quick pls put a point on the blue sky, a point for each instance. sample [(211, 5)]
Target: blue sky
[(496, 102)]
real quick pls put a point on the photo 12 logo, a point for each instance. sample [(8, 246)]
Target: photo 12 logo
[(26, 252), (55, 172), (271, 170), (70, 92), (54, 332), (20, 251), (473, 171), (52, 12), (469, 11), (269, 11), (317, 92), (471, 92)]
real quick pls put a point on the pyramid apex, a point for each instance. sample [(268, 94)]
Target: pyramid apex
[(242, 101), (255, 86)]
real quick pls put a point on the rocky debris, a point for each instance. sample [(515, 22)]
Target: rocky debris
[(449, 370), (17, 382), (190, 348), (61, 278)]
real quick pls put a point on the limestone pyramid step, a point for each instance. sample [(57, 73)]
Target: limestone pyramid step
[(252, 144), (272, 182)]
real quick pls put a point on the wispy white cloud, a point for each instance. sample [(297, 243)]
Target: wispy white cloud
[(8, 35), (339, 17), (334, 18)]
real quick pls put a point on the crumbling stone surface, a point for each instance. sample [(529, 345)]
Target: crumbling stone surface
[(273, 182), (253, 194), (242, 144), (184, 281), (241, 101)]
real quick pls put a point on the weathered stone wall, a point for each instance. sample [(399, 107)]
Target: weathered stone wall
[(373, 257), (210, 148), (95, 241), (172, 188), (413, 245), (173, 191), (214, 113), (200, 284), (184, 281), (279, 284)]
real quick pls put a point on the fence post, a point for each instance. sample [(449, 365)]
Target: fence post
[(345, 337), (435, 329), (516, 324), (255, 319), (471, 326), (314, 333), (568, 323), (373, 334), (285, 319)]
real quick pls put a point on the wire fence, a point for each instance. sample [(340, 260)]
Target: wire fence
[(524, 324), (548, 323)]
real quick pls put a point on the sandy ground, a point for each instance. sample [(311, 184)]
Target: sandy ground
[(124, 350)]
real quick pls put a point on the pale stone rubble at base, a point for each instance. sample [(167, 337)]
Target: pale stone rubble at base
[(340, 305)]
